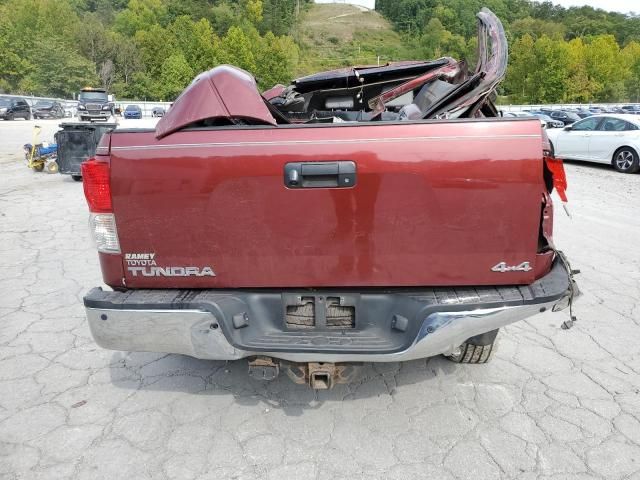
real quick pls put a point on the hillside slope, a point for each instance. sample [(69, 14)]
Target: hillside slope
[(337, 35)]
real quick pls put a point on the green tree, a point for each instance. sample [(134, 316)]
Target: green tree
[(277, 59), (437, 41), (195, 40), (95, 40), (141, 86), (631, 56), (13, 66), (127, 60), (140, 15), (253, 9), (58, 71), (176, 75), (605, 67), (580, 87), (551, 72), (537, 28), (222, 18), (235, 48), (522, 62), (154, 46)]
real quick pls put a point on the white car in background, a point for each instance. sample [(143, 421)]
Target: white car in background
[(606, 138)]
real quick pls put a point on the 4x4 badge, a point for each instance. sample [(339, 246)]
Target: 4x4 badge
[(502, 267)]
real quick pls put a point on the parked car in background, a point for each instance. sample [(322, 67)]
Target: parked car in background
[(632, 109), (48, 109), (157, 112), (566, 117), (132, 111), (524, 115), (609, 138), (551, 122), (94, 104), (12, 108), (583, 112), (70, 110)]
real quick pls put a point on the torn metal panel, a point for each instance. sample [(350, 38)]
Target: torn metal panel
[(441, 88), (225, 94)]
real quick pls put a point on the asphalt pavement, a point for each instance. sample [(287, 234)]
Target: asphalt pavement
[(552, 403)]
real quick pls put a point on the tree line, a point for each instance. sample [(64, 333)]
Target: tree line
[(154, 48), (557, 54), (141, 48)]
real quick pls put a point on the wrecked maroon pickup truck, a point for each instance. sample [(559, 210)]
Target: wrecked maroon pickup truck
[(370, 214)]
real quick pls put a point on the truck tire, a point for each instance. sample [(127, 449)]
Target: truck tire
[(476, 349)]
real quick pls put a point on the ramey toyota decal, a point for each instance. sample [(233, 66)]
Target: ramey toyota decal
[(145, 265)]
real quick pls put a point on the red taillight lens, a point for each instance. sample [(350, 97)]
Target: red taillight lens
[(97, 188), (556, 167)]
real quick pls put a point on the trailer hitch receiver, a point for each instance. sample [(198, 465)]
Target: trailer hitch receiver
[(321, 376)]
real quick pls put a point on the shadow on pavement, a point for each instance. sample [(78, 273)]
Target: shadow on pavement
[(178, 373)]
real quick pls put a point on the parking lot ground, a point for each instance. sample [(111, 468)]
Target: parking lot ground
[(552, 404)]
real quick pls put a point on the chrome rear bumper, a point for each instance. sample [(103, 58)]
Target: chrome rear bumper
[(201, 323)]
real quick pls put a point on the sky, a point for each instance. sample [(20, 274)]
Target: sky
[(623, 6)]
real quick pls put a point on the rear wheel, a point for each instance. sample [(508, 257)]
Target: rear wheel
[(38, 167), (28, 117), (476, 349), (626, 160), (77, 178)]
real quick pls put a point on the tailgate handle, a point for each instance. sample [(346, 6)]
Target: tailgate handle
[(320, 174)]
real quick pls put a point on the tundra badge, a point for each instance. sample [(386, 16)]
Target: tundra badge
[(145, 265)]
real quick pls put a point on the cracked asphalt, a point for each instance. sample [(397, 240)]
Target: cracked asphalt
[(552, 404)]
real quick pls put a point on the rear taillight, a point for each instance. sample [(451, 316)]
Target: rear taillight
[(97, 191), (97, 186), (105, 234)]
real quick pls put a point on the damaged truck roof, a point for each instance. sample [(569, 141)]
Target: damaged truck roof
[(409, 90)]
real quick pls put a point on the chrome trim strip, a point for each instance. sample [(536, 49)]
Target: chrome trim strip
[(325, 142), (187, 332)]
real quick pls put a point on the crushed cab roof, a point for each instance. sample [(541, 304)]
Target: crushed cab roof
[(222, 92)]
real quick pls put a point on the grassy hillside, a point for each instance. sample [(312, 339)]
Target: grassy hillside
[(337, 35)]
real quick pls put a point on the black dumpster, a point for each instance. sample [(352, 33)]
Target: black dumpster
[(76, 143)]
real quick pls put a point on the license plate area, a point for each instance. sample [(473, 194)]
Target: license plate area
[(319, 312)]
